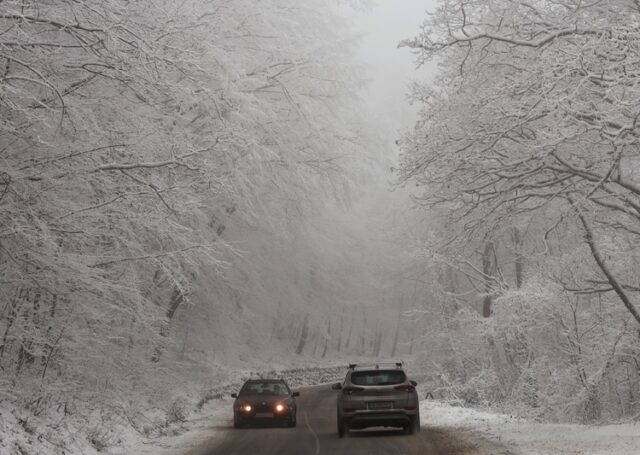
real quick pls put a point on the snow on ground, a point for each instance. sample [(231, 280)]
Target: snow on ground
[(214, 416), (530, 438), (519, 436), (209, 423), (91, 428), (26, 434)]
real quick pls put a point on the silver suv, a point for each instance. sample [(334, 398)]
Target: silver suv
[(378, 395)]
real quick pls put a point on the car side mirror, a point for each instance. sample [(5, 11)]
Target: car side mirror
[(336, 386), (234, 395), (295, 394), (413, 383)]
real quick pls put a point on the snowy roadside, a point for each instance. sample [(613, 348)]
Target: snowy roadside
[(530, 438), (212, 421), (92, 428), (214, 417), (211, 417), (474, 427)]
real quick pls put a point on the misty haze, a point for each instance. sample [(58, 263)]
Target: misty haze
[(319, 227)]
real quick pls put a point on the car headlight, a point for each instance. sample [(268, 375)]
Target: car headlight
[(246, 408), (280, 407)]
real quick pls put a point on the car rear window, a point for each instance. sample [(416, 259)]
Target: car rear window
[(382, 377)]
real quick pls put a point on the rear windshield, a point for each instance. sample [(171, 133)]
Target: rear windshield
[(381, 377)]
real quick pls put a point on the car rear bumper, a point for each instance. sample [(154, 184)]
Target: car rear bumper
[(371, 419)]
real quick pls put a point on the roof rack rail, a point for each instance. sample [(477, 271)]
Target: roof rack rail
[(377, 365)]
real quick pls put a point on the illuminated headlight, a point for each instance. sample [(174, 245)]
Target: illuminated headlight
[(246, 408), (280, 407)]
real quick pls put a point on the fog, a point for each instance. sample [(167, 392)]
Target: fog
[(391, 69), (195, 193)]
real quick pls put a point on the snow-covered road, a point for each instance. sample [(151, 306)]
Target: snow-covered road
[(316, 435), (446, 430)]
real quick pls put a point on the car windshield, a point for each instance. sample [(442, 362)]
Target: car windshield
[(382, 377), (264, 388)]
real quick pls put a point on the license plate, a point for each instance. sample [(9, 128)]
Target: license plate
[(380, 405), (264, 415)]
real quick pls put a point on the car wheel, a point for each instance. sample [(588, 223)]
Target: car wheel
[(237, 423), (343, 428), (414, 426), (292, 421)]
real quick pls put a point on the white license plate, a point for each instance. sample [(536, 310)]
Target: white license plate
[(380, 405), (264, 415)]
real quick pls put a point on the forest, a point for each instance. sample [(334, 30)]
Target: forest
[(191, 189), (526, 159), (176, 192)]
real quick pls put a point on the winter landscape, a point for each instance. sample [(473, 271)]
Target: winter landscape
[(197, 193)]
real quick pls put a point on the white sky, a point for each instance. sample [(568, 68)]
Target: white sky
[(391, 69)]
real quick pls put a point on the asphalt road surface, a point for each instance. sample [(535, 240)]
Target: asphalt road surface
[(316, 434)]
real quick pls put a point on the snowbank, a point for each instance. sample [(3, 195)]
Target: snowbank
[(532, 438)]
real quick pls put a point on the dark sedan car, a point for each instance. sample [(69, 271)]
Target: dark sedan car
[(264, 401)]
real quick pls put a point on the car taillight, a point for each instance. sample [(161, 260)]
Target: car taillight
[(348, 390), (405, 388)]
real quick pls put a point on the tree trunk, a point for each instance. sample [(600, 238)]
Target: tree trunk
[(303, 335), (397, 334), (13, 308), (379, 343), (327, 337), (488, 270), (176, 299), (363, 334), (353, 319), (519, 258), (340, 331)]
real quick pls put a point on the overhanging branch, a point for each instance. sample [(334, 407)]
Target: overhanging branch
[(595, 252)]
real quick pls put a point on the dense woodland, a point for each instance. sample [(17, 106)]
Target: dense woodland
[(172, 179), (526, 155), (191, 187)]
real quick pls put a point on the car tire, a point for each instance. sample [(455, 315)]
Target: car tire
[(292, 421), (414, 426), (343, 428), (237, 423)]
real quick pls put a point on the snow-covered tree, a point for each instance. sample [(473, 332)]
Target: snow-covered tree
[(527, 150), (535, 111), (165, 168)]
